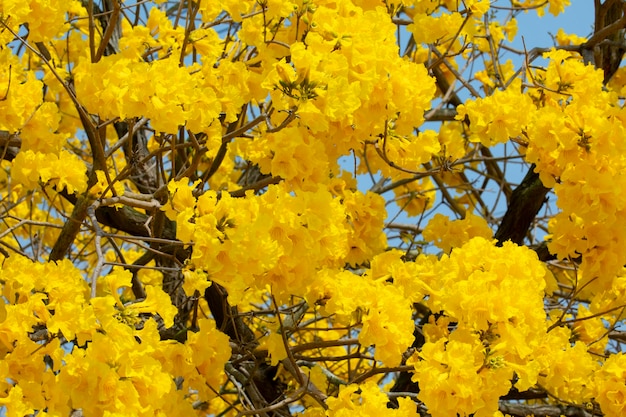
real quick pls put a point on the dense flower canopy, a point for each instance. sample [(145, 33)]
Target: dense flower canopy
[(310, 207)]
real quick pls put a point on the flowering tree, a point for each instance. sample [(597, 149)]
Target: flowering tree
[(310, 207)]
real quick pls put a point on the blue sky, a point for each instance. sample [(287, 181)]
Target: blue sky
[(577, 19)]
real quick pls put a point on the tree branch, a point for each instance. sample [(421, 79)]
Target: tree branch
[(526, 201), (523, 410)]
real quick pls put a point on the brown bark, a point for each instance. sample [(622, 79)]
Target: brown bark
[(526, 201)]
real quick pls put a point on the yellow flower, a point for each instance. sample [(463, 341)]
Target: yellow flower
[(116, 279), (157, 301), (563, 38), (210, 351), (181, 197), (74, 320), (591, 330), (102, 185), (276, 347), (557, 7), (17, 405), (195, 281), (496, 118), (428, 29), (448, 234), (39, 134), (610, 388)]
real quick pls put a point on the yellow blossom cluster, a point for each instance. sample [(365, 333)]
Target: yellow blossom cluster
[(366, 89), (364, 400), (484, 335), (386, 322), (45, 19), (43, 159), (20, 93), (495, 297), (498, 117), (111, 365), (65, 170), (22, 110), (576, 140), (555, 7), (574, 130), (611, 390), (162, 91), (447, 234), (252, 242), (292, 154)]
